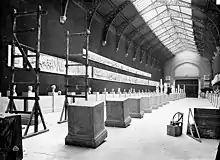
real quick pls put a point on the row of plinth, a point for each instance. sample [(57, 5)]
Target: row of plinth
[(87, 121), (214, 99)]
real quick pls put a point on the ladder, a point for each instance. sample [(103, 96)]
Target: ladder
[(83, 61), (192, 127), (36, 110)]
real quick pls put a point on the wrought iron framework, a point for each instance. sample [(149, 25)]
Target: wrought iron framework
[(171, 12)]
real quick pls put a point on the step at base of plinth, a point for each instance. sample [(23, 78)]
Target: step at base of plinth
[(117, 123), (147, 110), (137, 115), (84, 141), (155, 107)]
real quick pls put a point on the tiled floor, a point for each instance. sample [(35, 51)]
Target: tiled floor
[(144, 139)]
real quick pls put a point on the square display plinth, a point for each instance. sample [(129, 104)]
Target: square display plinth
[(159, 101), (86, 124), (135, 107), (145, 101), (117, 112), (154, 102)]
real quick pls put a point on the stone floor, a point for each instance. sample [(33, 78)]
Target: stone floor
[(145, 139)]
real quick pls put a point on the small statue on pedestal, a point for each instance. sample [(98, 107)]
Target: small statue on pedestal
[(119, 90), (113, 92), (53, 92), (89, 90), (134, 91), (30, 89), (14, 90), (53, 87), (59, 92)]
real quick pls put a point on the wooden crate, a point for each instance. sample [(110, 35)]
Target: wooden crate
[(208, 122), (174, 131), (10, 137)]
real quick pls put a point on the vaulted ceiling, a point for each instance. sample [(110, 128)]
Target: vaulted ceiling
[(159, 29)]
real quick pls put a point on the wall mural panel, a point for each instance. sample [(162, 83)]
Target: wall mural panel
[(106, 61), (102, 74), (52, 64)]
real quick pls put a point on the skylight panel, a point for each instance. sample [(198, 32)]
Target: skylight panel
[(176, 50), (172, 45), (159, 16), (160, 31), (174, 36), (156, 24), (170, 20), (141, 4), (161, 9), (186, 10), (181, 30), (188, 1), (164, 37), (166, 19), (150, 15), (176, 8), (188, 21), (166, 32), (170, 38), (166, 42), (190, 29)]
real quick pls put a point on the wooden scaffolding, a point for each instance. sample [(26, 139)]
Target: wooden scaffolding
[(83, 59), (36, 110)]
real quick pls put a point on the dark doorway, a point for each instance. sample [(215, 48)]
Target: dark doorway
[(191, 86)]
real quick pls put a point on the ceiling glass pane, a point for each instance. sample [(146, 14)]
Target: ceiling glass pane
[(161, 9), (171, 21), (160, 31), (141, 4), (164, 37), (186, 10), (166, 19), (188, 21), (150, 15), (189, 1), (176, 8), (166, 42), (157, 23)]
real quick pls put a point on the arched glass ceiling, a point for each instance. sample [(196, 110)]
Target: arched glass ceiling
[(171, 21)]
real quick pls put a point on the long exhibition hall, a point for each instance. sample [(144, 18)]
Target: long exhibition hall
[(109, 79)]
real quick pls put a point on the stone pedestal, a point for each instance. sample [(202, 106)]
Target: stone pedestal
[(159, 100), (136, 107), (117, 113), (86, 124), (166, 100), (146, 104), (154, 102)]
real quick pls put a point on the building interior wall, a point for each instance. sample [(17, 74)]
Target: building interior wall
[(187, 60), (53, 42)]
